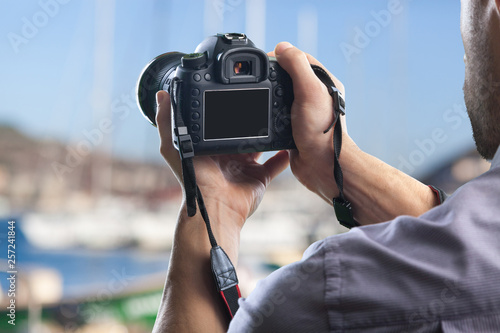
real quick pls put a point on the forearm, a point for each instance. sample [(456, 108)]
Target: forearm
[(190, 302), (379, 192)]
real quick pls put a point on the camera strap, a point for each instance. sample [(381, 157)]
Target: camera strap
[(223, 271), (342, 207)]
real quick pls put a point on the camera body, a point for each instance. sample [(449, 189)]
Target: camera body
[(231, 96)]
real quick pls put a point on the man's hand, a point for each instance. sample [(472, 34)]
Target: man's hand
[(312, 113), (377, 191), (233, 183), (232, 187)]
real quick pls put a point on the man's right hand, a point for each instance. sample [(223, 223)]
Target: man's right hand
[(378, 192), (312, 113)]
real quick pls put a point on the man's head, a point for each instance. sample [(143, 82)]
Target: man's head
[(480, 25)]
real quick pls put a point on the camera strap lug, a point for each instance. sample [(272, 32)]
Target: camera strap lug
[(225, 278), (186, 148), (343, 210)]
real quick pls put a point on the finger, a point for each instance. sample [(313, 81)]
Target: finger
[(241, 158), (276, 165), (337, 82), (270, 54), (163, 121), (305, 83), (255, 156)]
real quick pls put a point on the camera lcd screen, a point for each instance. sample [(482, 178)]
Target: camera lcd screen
[(236, 114)]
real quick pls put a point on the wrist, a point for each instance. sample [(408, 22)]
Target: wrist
[(314, 168), (379, 192), (349, 155), (190, 288)]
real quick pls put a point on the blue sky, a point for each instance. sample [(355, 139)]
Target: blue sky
[(401, 63)]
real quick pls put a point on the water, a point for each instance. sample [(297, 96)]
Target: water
[(83, 271)]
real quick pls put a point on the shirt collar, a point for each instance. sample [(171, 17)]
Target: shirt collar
[(496, 159)]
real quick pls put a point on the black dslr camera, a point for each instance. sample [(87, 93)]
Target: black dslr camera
[(227, 97)]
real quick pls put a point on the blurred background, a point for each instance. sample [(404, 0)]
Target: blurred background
[(94, 205)]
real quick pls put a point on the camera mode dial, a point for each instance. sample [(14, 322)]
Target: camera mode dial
[(194, 60)]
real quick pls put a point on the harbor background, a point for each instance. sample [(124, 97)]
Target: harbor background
[(93, 202)]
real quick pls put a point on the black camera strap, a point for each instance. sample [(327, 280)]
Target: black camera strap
[(223, 271), (342, 207)]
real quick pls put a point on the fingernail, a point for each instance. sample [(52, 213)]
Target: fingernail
[(281, 47), (160, 97)]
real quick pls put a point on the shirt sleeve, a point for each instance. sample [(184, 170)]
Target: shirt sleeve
[(290, 299), (432, 273)]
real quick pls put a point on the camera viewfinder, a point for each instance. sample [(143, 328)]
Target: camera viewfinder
[(242, 68)]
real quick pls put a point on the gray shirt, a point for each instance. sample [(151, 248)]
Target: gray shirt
[(439, 272)]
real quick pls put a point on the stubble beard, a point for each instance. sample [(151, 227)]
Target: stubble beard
[(482, 95)]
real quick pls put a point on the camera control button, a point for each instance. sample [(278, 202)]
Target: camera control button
[(195, 92), (195, 116), (195, 104), (276, 105), (196, 139), (273, 74), (279, 91), (195, 128), (208, 77), (197, 77)]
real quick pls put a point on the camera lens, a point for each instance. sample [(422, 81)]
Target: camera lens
[(153, 79), (242, 68)]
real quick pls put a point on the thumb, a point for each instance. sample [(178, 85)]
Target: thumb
[(276, 165), (163, 122)]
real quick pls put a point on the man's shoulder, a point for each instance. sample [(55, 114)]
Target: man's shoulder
[(291, 299), (405, 274), (443, 264)]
